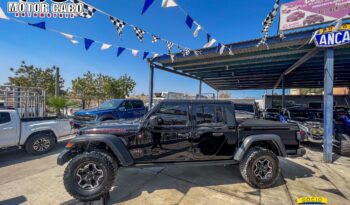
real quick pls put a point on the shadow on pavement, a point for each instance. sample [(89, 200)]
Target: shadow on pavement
[(14, 201), (12, 157), (134, 182)]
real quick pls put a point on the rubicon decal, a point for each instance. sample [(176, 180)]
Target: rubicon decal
[(42, 9)]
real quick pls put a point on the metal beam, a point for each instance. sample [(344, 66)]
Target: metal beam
[(200, 89), (160, 67), (284, 92), (151, 84), (302, 60), (328, 104)]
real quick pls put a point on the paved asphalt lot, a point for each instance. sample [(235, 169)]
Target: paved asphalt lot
[(33, 180)]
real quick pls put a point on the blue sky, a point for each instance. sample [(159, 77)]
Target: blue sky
[(226, 20)]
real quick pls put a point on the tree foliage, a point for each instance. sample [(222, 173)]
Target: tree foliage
[(224, 95), (30, 76), (60, 103), (101, 87)]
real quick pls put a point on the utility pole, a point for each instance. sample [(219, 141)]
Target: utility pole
[(57, 82)]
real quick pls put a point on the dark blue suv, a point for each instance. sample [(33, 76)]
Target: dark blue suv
[(110, 110)]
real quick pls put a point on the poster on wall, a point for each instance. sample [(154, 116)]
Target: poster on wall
[(303, 13)]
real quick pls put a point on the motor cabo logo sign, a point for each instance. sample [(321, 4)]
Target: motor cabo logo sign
[(43, 9), (333, 38)]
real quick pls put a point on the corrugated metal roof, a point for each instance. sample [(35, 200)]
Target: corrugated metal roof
[(260, 68)]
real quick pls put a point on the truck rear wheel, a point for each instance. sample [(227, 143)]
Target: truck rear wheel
[(260, 168), (40, 143), (90, 176)]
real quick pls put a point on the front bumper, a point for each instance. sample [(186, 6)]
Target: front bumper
[(298, 153), (64, 156)]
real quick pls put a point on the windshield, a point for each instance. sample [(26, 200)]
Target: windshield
[(110, 104), (244, 107)]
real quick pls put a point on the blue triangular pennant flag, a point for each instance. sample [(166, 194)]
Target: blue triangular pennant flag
[(147, 4), (120, 50), (41, 25), (208, 37), (88, 43), (189, 21), (145, 54)]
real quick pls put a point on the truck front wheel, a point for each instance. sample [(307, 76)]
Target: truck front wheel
[(260, 168), (90, 176), (40, 143)]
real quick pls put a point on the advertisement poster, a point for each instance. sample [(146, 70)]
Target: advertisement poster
[(303, 13)]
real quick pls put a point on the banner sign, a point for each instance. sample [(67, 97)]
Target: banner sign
[(332, 39), (302, 13)]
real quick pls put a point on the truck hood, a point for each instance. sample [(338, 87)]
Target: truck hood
[(93, 111), (118, 127), (266, 124)]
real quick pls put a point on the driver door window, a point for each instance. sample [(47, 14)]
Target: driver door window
[(173, 114)]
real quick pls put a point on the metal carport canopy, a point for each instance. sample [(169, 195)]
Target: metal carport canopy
[(254, 67)]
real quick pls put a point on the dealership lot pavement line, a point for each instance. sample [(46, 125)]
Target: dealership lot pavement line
[(230, 195), (286, 189)]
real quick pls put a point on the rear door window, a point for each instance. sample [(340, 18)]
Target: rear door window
[(209, 114), (137, 104), (4, 117)]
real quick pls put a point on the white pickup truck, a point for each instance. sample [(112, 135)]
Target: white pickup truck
[(36, 136)]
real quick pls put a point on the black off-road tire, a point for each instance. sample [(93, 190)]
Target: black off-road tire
[(247, 163), (104, 162), (341, 144), (31, 144)]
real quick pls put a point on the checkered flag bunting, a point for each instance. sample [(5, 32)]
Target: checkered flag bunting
[(268, 23), (170, 46), (155, 39), (119, 25), (139, 33), (88, 11), (187, 51)]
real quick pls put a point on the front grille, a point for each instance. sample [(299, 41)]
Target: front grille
[(84, 117)]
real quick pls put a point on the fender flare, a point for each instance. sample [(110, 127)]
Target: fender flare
[(115, 144), (248, 141)]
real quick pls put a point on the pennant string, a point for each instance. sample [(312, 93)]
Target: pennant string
[(79, 37), (188, 22), (128, 24)]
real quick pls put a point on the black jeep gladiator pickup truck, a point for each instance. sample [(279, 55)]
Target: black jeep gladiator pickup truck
[(178, 132)]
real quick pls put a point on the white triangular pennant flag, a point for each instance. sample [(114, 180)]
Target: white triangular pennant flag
[(134, 52), (222, 49), (338, 25), (314, 36), (168, 3), (69, 37), (74, 41), (2, 15), (66, 35), (172, 57), (210, 43), (230, 52), (105, 46), (155, 55), (195, 34)]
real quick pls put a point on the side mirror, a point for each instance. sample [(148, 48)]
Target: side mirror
[(122, 109), (155, 121)]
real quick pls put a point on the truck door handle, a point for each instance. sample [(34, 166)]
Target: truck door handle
[(218, 134), (8, 128)]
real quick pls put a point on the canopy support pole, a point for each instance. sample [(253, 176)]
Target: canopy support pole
[(284, 92), (151, 84), (200, 89), (328, 104)]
